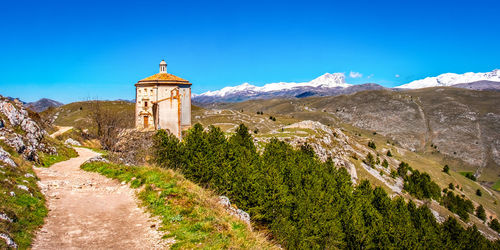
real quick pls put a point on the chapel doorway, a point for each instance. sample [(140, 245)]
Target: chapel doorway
[(146, 121)]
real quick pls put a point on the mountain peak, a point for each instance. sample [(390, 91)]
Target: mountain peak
[(330, 80), (450, 79), (327, 80)]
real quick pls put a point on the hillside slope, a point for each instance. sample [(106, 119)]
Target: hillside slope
[(348, 147), (460, 124), (77, 114)]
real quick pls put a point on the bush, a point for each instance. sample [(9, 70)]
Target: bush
[(446, 169), (389, 153), (369, 160), (478, 192), (385, 164), (403, 169), (371, 144)]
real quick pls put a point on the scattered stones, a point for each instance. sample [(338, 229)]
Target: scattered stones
[(10, 242), (28, 175), (11, 193), (70, 141)]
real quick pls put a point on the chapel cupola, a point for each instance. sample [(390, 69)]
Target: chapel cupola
[(163, 66)]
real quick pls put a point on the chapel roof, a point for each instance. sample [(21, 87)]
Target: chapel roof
[(164, 78)]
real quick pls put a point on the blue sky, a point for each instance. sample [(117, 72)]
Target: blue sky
[(76, 50)]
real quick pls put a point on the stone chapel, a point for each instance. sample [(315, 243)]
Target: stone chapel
[(163, 101)]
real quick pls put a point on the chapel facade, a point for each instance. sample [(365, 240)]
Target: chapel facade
[(163, 101)]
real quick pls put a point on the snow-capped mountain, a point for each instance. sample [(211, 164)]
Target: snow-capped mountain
[(327, 84), (327, 81), (450, 79)]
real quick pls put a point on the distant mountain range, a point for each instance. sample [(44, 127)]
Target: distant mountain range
[(43, 104), (451, 79), (325, 85), (334, 84)]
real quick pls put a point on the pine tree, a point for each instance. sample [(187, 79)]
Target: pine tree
[(480, 213)]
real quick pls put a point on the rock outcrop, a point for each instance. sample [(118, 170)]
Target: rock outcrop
[(20, 131), (242, 215)]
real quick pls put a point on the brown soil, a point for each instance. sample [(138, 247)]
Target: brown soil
[(90, 211)]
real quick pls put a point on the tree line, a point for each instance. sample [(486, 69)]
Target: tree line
[(306, 203)]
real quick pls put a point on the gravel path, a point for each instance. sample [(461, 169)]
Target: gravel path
[(62, 130), (90, 211)]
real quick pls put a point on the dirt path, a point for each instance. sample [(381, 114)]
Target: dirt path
[(90, 211), (61, 131)]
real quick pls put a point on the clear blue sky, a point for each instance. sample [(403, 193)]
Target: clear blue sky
[(75, 50)]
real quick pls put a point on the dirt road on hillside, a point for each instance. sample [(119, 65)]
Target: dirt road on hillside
[(62, 130), (90, 211)]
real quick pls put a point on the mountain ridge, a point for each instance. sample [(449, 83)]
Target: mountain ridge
[(332, 84), (451, 79)]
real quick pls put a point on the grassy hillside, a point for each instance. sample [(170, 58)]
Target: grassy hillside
[(190, 214), (76, 114)]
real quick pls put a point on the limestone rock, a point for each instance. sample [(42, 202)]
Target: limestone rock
[(5, 157), (98, 158), (27, 142), (70, 141), (23, 187), (10, 242)]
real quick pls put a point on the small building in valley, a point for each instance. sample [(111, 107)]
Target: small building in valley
[(163, 101)]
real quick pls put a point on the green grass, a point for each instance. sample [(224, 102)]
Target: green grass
[(26, 208), (189, 213), (63, 153), (469, 175), (496, 186)]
